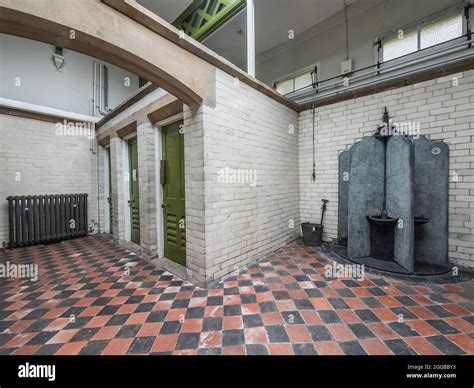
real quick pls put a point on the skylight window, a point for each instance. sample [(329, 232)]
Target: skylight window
[(402, 44), (441, 31), (293, 83), (424, 36)]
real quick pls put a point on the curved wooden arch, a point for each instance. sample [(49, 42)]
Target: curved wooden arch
[(93, 28)]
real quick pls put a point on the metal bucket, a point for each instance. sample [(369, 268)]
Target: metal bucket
[(312, 234)]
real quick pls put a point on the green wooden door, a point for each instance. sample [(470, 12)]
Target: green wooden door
[(173, 194), (134, 200), (109, 198)]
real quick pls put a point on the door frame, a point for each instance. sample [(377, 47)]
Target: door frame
[(126, 185), (159, 193)]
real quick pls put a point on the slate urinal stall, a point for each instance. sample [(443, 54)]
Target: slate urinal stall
[(393, 202)]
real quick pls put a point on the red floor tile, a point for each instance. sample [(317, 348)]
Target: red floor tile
[(63, 336), (385, 315), (57, 324), (274, 318), (311, 317), (340, 332), (422, 346), (139, 318), (375, 347), (348, 316), (255, 335), (118, 346), (233, 351), (210, 339), (232, 323), (328, 348), (298, 334), (192, 326), (280, 349), (422, 328), (98, 321), (106, 333), (465, 342), (460, 324), (382, 331), (164, 343), (183, 319), (26, 350), (20, 340), (71, 348)]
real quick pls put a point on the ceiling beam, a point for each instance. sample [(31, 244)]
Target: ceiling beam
[(92, 28)]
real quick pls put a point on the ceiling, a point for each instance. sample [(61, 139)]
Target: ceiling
[(273, 21), (166, 9)]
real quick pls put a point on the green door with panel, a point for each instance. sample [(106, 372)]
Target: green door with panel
[(109, 198), (134, 197), (173, 193)]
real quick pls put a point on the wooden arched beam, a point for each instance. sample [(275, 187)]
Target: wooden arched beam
[(93, 28)]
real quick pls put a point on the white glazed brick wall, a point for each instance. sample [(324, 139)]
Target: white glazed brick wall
[(444, 111), (196, 264), (49, 164), (147, 170), (248, 130), (119, 207)]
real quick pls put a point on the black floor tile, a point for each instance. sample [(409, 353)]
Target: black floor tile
[(319, 333), (277, 334)]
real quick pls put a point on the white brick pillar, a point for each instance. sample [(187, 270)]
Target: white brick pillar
[(195, 196), (119, 207), (147, 171)]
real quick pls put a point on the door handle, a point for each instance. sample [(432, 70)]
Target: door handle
[(130, 201), (164, 205), (163, 172)]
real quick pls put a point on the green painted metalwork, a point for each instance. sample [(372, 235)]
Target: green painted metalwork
[(174, 209), (134, 201), (203, 17)]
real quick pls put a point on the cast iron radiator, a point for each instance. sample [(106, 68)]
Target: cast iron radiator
[(37, 219)]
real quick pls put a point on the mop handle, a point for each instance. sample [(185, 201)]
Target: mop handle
[(323, 208)]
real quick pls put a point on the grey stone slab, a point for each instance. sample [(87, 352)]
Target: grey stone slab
[(342, 214), (431, 200), (171, 266), (400, 197), (417, 184), (365, 192)]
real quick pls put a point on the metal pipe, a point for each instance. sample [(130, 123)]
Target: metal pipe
[(100, 93), (397, 66), (106, 87), (418, 69), (385, 69), (93, 88), (304, 99), (251, 38), (100, 87)]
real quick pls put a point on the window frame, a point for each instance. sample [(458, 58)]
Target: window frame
[(417, 26), (293, 75)]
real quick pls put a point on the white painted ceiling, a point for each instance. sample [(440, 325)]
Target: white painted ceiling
[(166, 9), (273, 21)]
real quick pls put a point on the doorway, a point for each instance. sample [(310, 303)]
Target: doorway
[(109, 189), (134, 202), (173, 193)]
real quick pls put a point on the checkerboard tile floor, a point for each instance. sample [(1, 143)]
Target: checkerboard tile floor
[(94, 297)]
